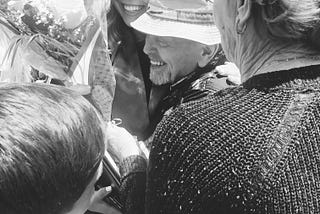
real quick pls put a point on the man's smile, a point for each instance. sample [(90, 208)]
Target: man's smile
[(157, 63)]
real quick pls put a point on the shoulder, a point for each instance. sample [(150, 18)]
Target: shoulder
[(220, 127), (196, 147), (224, 144), (197, 118)]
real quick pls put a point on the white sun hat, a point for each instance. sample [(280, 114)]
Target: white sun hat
[(187, 19)]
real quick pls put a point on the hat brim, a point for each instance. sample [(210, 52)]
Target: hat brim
[(202, 33)]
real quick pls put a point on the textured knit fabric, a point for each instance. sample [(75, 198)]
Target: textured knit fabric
[(248, 149), (133, 171), (193, 86)]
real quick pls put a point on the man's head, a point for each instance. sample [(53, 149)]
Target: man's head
[(51, 147), (173, 58), (181, 35)]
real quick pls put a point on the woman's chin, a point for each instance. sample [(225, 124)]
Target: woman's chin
[(130, 18)]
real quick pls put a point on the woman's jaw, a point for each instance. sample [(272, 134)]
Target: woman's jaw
[(130, 10)]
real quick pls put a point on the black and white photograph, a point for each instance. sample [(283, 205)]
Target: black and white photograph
[(159, 107)]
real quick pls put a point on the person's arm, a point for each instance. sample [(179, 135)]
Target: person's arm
[(133, 184), (133, 166)]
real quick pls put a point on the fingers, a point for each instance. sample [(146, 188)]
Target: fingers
[(103, 192), (227, 69), (120, 133), (121, 143), (98, 205), (230, 71)]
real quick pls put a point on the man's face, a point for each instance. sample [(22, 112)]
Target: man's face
[(171, 58)]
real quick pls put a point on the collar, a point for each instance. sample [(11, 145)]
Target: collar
[(187, 81), (305, 78)]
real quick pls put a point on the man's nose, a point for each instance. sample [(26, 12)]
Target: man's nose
[(148, 44)]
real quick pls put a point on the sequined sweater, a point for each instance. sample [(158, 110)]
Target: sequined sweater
[(248, 149)]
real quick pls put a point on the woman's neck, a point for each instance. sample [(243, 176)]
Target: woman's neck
[(259, 55)]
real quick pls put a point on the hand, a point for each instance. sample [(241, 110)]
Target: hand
[(230, 71), (120, 143), (98, 205)]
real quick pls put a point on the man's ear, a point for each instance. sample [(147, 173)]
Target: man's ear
[(207, 53), (244, 13)]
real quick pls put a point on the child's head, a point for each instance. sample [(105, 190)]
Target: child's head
[(51, 148)]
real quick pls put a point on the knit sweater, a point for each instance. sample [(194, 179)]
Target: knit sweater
[(248, 149), (190, 87)]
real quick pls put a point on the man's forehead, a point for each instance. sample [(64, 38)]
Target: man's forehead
[(175, 41), (190, 4)]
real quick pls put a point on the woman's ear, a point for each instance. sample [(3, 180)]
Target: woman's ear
[(244, 8), (207, 53)]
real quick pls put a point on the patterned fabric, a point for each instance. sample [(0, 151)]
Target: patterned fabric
[(248, 149), (134, 174), (168, 10), (101, 79)]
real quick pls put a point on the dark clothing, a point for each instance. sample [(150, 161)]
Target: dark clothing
[(248, 149), (134, 92), (194, 86), (130, 102), (145, 68), (191, 87)]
